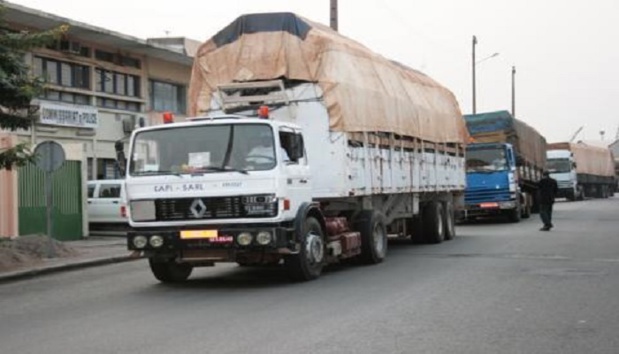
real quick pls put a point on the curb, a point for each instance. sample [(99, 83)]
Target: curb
[(31, 273)]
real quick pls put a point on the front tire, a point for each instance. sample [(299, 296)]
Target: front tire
[(168, 271), (308, 263)]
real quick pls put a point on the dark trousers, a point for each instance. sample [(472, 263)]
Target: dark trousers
[(545, 212)]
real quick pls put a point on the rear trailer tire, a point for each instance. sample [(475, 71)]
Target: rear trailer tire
[(308, 263), (433, 223), (449, 221), (371, 225), (168, 271), (415, 227)]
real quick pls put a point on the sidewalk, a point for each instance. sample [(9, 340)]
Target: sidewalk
[(92, 251)]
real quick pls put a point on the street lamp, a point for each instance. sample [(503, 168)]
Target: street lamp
[(473, 65)]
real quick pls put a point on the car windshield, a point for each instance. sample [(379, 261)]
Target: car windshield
[(486, 160), (558, 165), (203, 149)]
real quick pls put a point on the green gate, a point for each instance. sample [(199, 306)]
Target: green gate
[(67, 211)]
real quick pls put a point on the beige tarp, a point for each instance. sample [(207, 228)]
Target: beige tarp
[(589, 159), (363, 91)]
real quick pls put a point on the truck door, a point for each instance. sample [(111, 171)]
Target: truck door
[(295, 166)]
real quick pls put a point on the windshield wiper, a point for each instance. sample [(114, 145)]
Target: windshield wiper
[(220, 169), (156, 173)]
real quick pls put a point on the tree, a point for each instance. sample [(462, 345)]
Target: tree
[(18, 86)]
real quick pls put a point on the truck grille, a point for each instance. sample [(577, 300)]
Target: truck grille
[(486, 195), (206, 208)]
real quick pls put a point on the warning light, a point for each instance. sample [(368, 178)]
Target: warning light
[(263, 112), (168, 117)]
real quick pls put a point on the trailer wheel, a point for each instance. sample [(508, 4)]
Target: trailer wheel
[(168, 271), (415, 225), (371, 225), (450, 221), (433, 222), (308, 263)]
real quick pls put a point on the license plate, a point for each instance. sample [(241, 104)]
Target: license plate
[(193, 234), (489, 205)]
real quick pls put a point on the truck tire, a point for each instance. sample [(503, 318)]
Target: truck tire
[(433, 223), (415, 227), (514, 215), (449, 221), (526, 208), (308, 263), (168, 271), (373, 231)]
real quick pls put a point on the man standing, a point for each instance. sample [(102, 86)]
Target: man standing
[(547, 191)]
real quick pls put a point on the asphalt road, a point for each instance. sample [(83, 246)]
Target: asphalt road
[(497, 288)]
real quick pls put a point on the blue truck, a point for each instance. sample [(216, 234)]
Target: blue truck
[(504, 164)]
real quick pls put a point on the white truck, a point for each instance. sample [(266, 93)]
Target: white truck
[(581, 170), (286, 185)]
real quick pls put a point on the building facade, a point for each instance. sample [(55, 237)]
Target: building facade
[(100, 86)]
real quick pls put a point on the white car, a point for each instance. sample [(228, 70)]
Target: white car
[(107, 210)]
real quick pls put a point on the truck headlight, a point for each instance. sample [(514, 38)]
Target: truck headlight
[(140, 241), (143, 210), (156, 241), (244, 238), (264, 238)]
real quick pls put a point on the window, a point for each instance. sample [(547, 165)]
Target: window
[(104, 56), (167, 97), (91, 191), (62, 73), (117, 59), (118, 104), (109, 191), (54, 95), (117, 83)]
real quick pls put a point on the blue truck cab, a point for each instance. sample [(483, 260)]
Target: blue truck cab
[(504, 164), (491, 185)]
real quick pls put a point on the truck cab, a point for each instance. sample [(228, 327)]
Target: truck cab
[(562, 168), (491, 181)]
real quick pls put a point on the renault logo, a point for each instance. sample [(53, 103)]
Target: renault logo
[(197, 208)]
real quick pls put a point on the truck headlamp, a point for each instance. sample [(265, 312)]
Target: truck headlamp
[(140, 241), (143, 210)]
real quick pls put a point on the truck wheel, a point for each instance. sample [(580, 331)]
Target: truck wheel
[(433, 222), (415, 227), (526, 211), (449, 221), (168, 271), (514, 214), (373, 236), (307, 264)]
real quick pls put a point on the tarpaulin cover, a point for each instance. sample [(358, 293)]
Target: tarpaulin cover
[(500, 126), (592, 160), (363, 91)]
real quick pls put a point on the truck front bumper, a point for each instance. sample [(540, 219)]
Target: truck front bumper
[(489, 208), (219, 237)]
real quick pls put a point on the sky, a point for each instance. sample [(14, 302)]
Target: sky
[(566, 52)]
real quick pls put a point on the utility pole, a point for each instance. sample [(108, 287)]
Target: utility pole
[(514, 91), (474, 84), (334, 15)]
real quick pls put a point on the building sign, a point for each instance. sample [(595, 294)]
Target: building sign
[(69, 115)]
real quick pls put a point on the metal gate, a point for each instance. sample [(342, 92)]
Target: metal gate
[(67, 211)]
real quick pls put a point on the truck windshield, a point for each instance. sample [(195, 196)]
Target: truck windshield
[(203, 149), (486, 160), (558, 165)]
